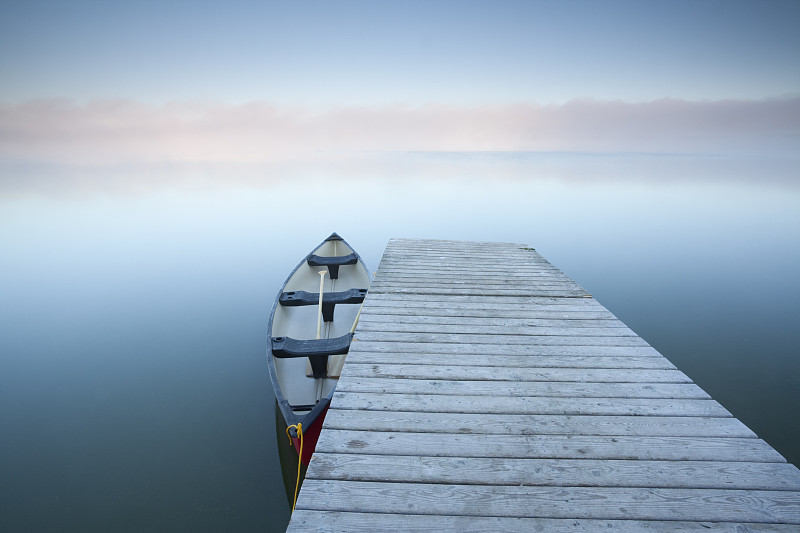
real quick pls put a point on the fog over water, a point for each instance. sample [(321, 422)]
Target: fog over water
[(134, 393)]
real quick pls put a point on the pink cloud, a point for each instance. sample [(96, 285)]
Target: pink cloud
[(105, 133)]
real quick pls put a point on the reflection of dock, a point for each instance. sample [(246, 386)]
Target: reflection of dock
[(488, 391)]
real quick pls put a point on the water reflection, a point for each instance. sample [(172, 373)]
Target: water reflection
[(134, 393)]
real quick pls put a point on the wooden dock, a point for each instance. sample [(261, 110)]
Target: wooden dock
[(489, 392)]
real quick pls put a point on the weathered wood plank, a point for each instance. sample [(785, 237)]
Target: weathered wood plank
[(478, 287), (489, 373), (424, 246), (397, 271), (437, 403), (487, 281), (621, 447), (330, 521), (433, 245), (515, 424), (507, 264), (400, 309), (553, 502), (579, 309), (453, 253), (560, 389), (515, 290), (431, 275), (473, 265), (453, 274), (457, 251), (495, 255), (456, 258), (483, 286), (531, 349), (402, 312), (457, 268), (474, 255), (523, 292), (488, 301), (556, 472), (466, 258), (490, 330), (408, 243), (464, 338), (471, 322), (530, 361)]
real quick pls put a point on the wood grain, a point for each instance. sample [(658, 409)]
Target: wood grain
[(604, 503), (633, 447), (330, 521)]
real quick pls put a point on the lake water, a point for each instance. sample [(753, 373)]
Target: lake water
[(134, 393)]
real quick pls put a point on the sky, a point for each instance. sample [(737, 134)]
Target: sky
[(101, 84), (378, 53)]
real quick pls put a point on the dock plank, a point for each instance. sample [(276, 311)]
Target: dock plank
[(560, 389), (436, 347), (472, 322), (609, 503), (470, 338), (530, 405), (531, 361), (491, 331), (633, 447), (556, 472), (327, 521), (497, 373), (518, 424), (400, 313), (488, 300)]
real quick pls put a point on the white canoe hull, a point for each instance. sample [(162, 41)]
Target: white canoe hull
[(301, 396)]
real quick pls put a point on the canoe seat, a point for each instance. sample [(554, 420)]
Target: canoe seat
[(332, 263), (284, 347), (317, 350), (329, 300)]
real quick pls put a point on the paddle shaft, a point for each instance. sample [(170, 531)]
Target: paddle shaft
[(353, 329), (319, 307)]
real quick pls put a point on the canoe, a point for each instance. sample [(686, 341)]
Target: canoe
[(307, 343)]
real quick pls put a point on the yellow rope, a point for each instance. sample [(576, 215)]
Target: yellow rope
[(299, 428)]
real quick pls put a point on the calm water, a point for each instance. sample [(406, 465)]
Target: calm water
[(134, 394)]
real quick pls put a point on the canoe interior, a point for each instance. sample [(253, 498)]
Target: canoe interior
[(301, 323)]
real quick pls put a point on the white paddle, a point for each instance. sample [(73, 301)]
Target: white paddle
[(319, 313), (353, 329)]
